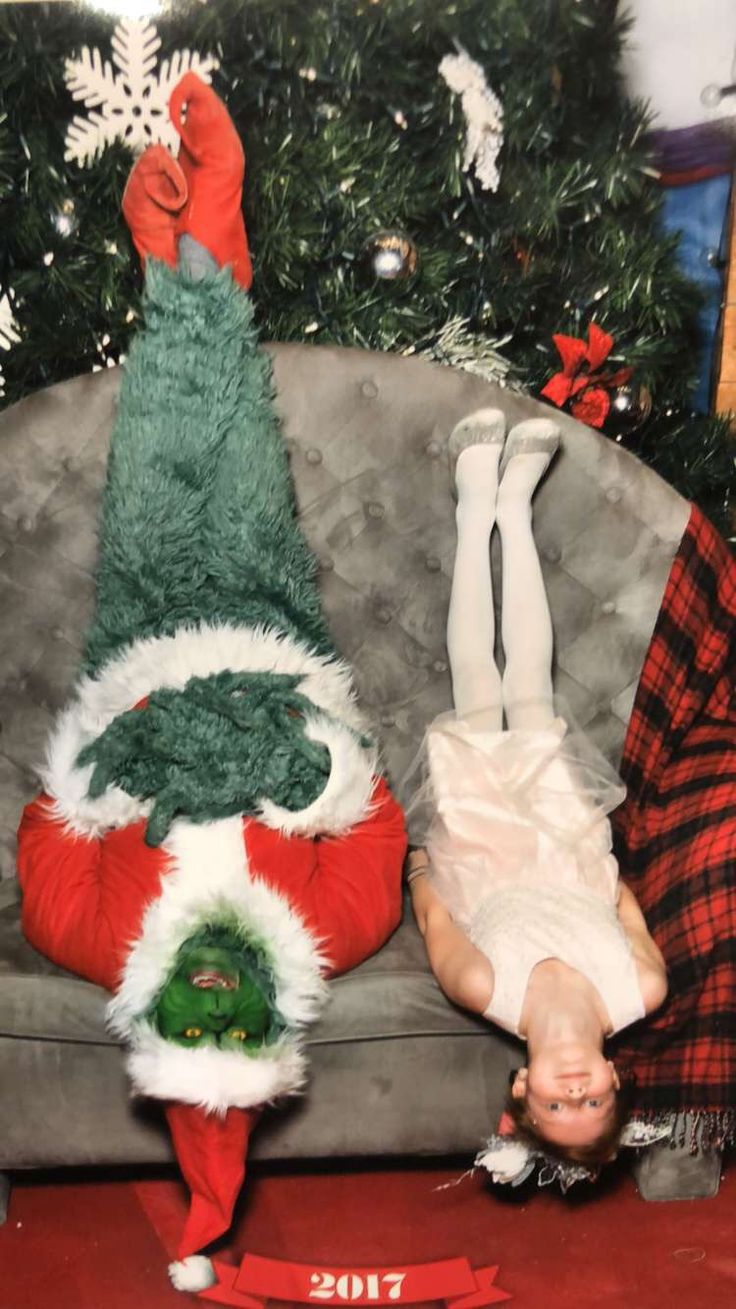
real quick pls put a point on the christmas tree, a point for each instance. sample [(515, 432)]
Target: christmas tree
[(461, 178)]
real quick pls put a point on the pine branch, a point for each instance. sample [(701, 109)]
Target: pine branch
[(349, 127)]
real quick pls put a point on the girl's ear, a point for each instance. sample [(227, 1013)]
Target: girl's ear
[(518, 1086), (616, 1078)]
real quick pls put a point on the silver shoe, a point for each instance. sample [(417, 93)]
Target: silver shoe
[(482, 427), (533, 436)]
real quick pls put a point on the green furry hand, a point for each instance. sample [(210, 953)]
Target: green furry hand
[(217, 748)]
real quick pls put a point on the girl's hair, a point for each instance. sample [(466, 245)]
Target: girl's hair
[(592, 1155)]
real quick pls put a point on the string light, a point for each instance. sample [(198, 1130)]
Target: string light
[(64, 219)]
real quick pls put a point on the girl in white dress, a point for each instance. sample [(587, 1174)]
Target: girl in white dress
[(517, 893)]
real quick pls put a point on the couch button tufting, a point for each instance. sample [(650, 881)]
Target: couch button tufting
[(439, 666), (608, 607), (383, 614), (376, 509), (613, 495), (314, 456), (553, 554), (57, 633), (433, 449), (370, 390), (388, 720), (26, 523), (326, 564), (432, 564)]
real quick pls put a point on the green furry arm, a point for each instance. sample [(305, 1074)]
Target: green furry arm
[(217, 748)]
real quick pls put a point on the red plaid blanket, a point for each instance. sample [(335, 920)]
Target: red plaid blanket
[(676, 838)]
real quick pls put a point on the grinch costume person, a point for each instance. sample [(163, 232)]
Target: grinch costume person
[(214, 838)]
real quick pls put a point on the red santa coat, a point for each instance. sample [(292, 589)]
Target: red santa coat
[(318, 888), (115, 911)]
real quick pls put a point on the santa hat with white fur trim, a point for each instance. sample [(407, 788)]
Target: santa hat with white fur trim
[(211, 1150)]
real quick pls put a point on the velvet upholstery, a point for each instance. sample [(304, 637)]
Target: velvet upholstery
[(366, 434)]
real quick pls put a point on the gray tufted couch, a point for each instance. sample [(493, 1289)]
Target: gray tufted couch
[(396, 1069)]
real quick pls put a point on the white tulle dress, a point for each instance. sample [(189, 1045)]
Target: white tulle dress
[(519, 844)]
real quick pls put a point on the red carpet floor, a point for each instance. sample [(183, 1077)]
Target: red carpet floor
[(86, 1244)]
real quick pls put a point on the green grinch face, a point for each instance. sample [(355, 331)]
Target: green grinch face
[(212, 1000)]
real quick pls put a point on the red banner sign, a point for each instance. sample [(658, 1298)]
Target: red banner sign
[(258, 1280)]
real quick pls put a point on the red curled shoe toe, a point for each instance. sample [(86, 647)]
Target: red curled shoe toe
[(212, 160), (154, 195)]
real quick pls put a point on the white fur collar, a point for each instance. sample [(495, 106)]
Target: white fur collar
[(208, 876)]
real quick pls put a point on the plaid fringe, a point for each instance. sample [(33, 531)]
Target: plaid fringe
[(676, 842)]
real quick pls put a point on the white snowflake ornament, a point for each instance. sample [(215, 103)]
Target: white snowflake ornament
[(129, 105), (8, 333), (483, 117)]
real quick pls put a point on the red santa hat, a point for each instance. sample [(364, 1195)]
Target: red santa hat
[(211, 1151)]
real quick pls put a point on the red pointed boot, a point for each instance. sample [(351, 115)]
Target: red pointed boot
[(212, 160), (155, 193)]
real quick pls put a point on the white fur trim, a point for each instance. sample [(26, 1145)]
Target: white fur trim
[(195, 1273), (68, 785), (210, 876), (146, 665), (346, 794), (212, 1079)]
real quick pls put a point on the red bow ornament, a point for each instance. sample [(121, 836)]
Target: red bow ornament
[(579, 379)]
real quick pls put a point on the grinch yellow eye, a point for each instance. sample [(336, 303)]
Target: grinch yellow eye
[(192, 1032), (238, 1034)]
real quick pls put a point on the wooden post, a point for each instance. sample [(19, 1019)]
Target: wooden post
[(725, 394)]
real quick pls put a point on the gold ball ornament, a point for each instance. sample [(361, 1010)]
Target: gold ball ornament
[(631, 405), (391, 255)]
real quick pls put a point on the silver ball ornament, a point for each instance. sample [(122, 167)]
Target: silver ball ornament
[(631, 405), (391, 255)]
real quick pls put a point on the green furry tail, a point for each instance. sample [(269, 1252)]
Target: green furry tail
[(198, 517)]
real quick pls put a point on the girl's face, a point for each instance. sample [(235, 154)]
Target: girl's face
[(570, 1093)]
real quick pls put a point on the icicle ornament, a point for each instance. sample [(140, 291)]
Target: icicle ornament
[(457, 346), (483, 117)]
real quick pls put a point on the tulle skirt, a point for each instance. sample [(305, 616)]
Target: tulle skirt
[(515, 808)]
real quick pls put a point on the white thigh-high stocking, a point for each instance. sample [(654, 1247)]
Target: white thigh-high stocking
[(526, 627), (476, 681)]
